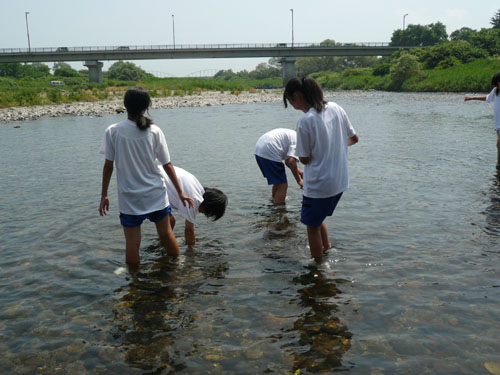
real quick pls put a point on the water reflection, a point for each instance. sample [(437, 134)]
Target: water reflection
[(156, 306), (279, 223), (492, 212), (321, 339)]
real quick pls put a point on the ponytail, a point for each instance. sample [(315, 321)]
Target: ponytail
[(143, 122), (137, 100), (309, 88)]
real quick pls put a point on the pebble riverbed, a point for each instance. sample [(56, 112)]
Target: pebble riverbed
[(100, 108)]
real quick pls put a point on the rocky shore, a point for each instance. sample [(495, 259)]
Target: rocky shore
[(100, 108)]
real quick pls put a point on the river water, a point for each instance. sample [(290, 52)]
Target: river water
[(411, 286)]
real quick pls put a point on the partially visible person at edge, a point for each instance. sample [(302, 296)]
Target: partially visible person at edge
[(271, 150), (493, 97), (323, 134), (209, 201), (135, 146)]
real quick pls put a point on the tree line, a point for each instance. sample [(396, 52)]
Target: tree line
[(434, 49)]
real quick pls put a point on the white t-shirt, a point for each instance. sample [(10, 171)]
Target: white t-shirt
[(494, 98), (191, 187), (322, 137), (277, 145), (141, 187)]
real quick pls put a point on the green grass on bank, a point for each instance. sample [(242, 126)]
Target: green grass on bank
[(472, 77), (29, 91)]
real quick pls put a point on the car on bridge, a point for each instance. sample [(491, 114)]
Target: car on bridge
[(122, 48), (62, 49)]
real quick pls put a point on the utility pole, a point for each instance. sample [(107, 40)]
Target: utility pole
[(291, 10), (173, 29), (28, 31)]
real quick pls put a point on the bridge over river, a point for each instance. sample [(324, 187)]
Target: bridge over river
[(287, 52)]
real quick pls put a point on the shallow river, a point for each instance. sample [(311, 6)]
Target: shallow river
[(412, 285)]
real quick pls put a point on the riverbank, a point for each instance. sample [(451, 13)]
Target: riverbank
[(100, 108)]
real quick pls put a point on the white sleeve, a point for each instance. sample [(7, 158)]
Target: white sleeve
[(107, 146), (303, 141), (347, 124), (292, 146), (491, 96), (161, 151)]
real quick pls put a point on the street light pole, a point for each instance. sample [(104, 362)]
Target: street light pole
[(173, 28), (404, 21), (291, 10), (28, 31)]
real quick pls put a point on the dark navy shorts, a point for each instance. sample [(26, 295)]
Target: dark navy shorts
[(136, 220), (272, 170), (315, 210)]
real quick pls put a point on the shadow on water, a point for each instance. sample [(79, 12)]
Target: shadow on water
[(492, 212), (155, 307), (320, 338)]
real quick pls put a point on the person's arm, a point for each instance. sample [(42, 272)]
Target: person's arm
[(352, 140), (170, 171), (107, 171), (291, 163), (467, 98), (304, 160), (189, 235)]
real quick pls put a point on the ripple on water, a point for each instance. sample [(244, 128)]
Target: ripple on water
[(410, 285)]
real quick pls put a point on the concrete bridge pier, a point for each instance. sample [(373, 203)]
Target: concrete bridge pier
[(95, 71), (288, 69)]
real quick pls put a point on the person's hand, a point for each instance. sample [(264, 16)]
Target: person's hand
[(184, 198), (301, 172), (104, 206), (467, 98), (301, 184)]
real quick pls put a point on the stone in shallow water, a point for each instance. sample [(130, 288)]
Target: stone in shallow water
[(492, 367)]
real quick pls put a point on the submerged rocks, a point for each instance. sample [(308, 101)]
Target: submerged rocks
[(204, 99)]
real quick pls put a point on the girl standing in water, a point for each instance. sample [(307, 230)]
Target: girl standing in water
[(493, 97), (135, 146), (323, 134)]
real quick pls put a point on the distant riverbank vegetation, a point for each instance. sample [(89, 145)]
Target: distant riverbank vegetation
[(432, 61)]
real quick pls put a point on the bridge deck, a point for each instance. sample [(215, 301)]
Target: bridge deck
[(193, 51)]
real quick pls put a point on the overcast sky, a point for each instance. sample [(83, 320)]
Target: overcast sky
[(75, 23)]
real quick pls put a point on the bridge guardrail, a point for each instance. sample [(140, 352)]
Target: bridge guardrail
[(117, 49)]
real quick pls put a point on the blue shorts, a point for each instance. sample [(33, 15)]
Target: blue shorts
[(315, 210), (272, 170), (136, 220)]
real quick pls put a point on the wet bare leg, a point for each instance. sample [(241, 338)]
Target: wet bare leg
[(167, 237), (315, 242), (132, 244), (279, 193), (324, 237)]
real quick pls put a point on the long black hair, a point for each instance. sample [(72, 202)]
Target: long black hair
[(214, 203), (309, 88), (137, 100), (494, 82)]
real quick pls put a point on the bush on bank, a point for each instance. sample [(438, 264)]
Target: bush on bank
[(470, 77), (28, 91)]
